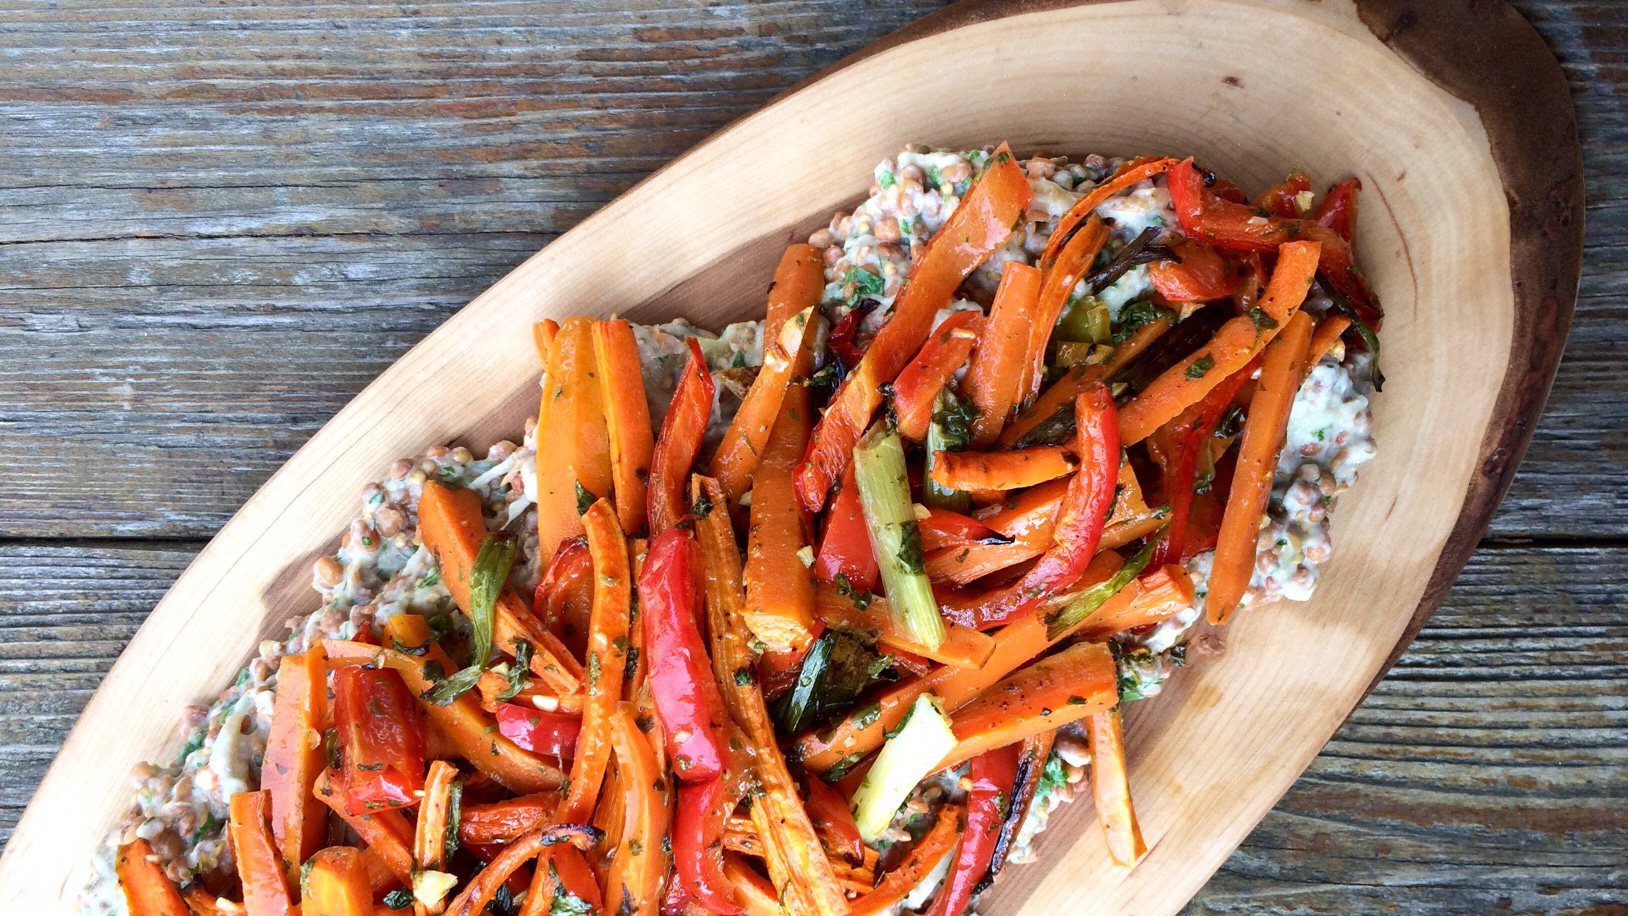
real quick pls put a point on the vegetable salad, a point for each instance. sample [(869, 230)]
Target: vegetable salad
[(823, 613)]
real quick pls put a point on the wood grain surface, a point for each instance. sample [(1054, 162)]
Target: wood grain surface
[(218, 224)]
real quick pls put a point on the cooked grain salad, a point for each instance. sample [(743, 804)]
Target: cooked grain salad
[(824, 613)]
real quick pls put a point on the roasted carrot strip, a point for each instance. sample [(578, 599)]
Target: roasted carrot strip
[(460, 722), (574, 450), (607, 659), (1014, 470), (1129, 174), (963, 647), (680, 441), (334, 882), (788, 338), (1281, 371), (147, 890), (387, 834), (639, 864), (201, 903), (504, 821), (542, 336), (915, 868), (1015, 644), (1150, 599), (997, 366), (482, 888), (917, 387), (294, 757), (434, 816), (943, 528), (1234, 345), (979, 225), (453, 528), (562, 870), (1111, 789), (627, 418), (1072, 262), (1061, 394), (259, 864), (779, 812), (1076, 682), (1323, 339), (779, 585)]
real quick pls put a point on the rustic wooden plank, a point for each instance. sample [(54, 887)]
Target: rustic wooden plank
[(163, 299), (1493, 762)]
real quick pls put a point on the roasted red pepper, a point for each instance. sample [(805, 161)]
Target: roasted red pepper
[(698, 836), (539, 731), (1198, 274), (845, 549), (1208, 218), (831, 816), (844, 338), (680, 441), (1085, 509), (917, 387), (1187, 434), (1279, 200), (1338, 210), (943, 528), (564, 596), (381, 739), (993, 775), (687, 699)]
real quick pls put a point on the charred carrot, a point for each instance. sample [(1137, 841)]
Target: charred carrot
[(294, 756), (1014, 470), (574, 457), (504, 821), (944, 528), (963, 647), (627, 419), (607, 659), (1233, 346), (1282, 369), (996, 369), (1111, 789), (1323, 339), (915, 868), (259, 864), (980, 224), (334, 882), (779, 584), (1076, 682), (1060, 396), (387, 834), (639, 864), (680, 440), (147, 890), (1073, 261), (482, 888), (1153, 598), (1130, 174), (432, 844)]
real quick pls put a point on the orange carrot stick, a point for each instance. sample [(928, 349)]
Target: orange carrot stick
[(334, 882), (980, 224), (788, 338), (1111, 789), (1072, 262), (461, 722), (1076, 682), (482, 888), (680, 441), (918, 385), (607, 659), (1061, 394), (452, 526), (434, 816), (1152, 598), (504, 821), (963, 647), (779, 586), (915, 868), (627, 418), (1131, 173), (147, 890), (542, 336), (997, 366), (1323, 339), (574, 444), (259, 864), (639, 862), (1015, 644), (386, 832), (294, 757), (1281, 371), (1012, 470), (1233, 346)]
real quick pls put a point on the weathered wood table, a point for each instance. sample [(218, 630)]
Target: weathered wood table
[(220, 221)]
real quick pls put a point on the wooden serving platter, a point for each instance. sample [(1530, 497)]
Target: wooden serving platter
[(1453, 114)]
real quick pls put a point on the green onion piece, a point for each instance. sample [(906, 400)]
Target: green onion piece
[(907, 758), (884, 495), (1066, 617), (793, 711), (1086, 321), (949, 431)]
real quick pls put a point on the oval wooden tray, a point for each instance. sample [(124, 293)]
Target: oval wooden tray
[(1452, 112)]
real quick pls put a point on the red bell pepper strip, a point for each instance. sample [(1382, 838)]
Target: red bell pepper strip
[(1081, 517), (845, 550), (688, 702), (1224, 224), (381, 739), (943, 528), (1198, 275), (981, 224), (698, 850), (831, 815), (564, 596), (1130, 174), (1279, 200), (844, 339), (1338, 210), (945, 351), (1190, 432), (993, 774), (680, 441), (539, 731)]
